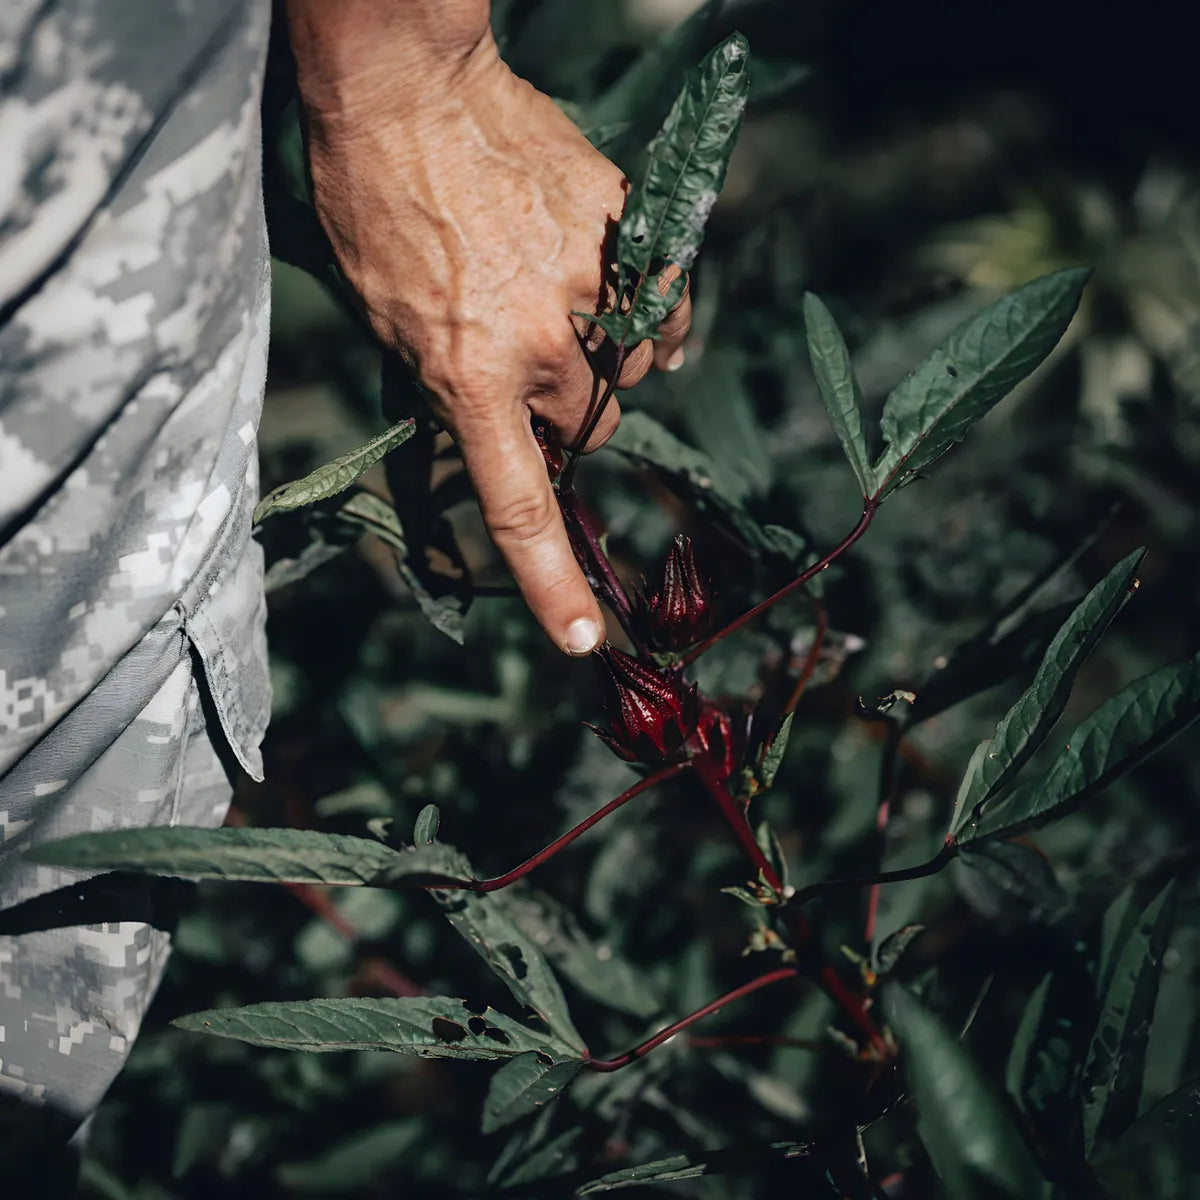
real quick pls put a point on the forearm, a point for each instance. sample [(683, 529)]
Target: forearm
[(348, 51)]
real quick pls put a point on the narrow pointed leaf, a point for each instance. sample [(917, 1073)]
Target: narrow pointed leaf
[(1159, 1154), (835, 380), (335, 476), (424, 1026), (960, 382), (1122, 733), (255, 855), (1026, 725), (680, 1166), (523, 1085), (964, 1123), (666, 213), (1112, 1073)]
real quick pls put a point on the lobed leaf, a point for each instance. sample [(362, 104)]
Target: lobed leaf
[(424, 1026), (523, 1085), (835, 380), (960, 382), (665, 214), (1122, 733), (1112, 1072), (335, 476), (1026, 725), (964, 1124)]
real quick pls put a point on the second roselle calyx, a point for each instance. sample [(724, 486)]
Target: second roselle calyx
[(652, 713), (680, 611)]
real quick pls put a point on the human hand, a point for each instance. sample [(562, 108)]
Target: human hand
[(470, 216)]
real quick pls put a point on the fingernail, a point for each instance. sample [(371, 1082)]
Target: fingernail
[(676, 360), (582, 637)]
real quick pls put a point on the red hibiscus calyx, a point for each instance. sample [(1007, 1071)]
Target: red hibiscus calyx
[(680, 612), (652, 713)]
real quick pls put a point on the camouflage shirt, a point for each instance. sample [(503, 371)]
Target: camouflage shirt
[(134, 307)]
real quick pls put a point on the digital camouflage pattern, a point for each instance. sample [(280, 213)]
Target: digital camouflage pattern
[(134, 309)]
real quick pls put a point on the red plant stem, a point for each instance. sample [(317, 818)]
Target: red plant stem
[(755, 1039), (623, 1060), (500, 881), (855, 1007), (568, 472), (887, 791), (733, 812), (810, 660), (864, 522)]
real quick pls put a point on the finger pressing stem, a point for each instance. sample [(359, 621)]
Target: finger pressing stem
[(567, 477), (663, 1035), (544, 855)]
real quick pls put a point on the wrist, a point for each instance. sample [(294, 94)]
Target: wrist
[(357, 58)]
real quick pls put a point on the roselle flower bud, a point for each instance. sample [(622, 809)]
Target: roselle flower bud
[(681, 611), (651, 712)]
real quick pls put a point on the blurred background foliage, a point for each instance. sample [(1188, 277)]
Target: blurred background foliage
[(908, 163)]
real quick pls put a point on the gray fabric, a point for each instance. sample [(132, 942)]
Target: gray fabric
[(134, 311)]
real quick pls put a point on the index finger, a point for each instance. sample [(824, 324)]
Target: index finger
[(522, 516)]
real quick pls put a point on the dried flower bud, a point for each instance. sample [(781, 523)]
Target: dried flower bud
[(680, 612), (652, 713)]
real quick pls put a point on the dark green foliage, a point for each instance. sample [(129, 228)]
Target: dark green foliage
[(1041, 990)]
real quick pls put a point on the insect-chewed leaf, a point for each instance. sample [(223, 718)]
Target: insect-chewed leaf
[(835, 381), (335, 476), (254, 855), (665, 215), (1159, 1154), (960, 382), (1112, 1072), (964, 1124), (1026, 725), (1123, 732), (525, 1084), (425, 1026)]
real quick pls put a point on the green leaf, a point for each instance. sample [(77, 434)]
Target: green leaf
[(354, 1163), (1112, 1073), (772, 760), (891, 950), (523, 1085), (255, 855), (666, 213), (488, 922), (705, 484), (424, 1026), (680, 1166), (768, 843), (964, 1124), (835, 380), (335, 476), (1026, 725), (428, 820), (1159, 1154), (960, 382), (1122, 733)]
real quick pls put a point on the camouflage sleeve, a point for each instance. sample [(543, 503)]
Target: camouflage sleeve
[(134, 308)]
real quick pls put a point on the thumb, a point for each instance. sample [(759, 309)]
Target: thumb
[(521, 514)]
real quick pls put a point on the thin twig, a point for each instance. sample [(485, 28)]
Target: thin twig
[(576, 452), (808, 670), (888, 780), (644, 1048), (932, 867), (808, 573)]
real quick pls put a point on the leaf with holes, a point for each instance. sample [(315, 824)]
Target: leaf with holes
[(424, 1026), (960, 382), (523, 1085), (335, 476), (1026, 725), (664, 218)]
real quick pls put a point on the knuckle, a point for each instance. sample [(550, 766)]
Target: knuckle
[(527, 517)]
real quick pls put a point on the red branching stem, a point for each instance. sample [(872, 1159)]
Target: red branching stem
[(644, 1048), (855, 1007), (568, 474), (734, 813), (810, 659), (864, 522), (500, 881)]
